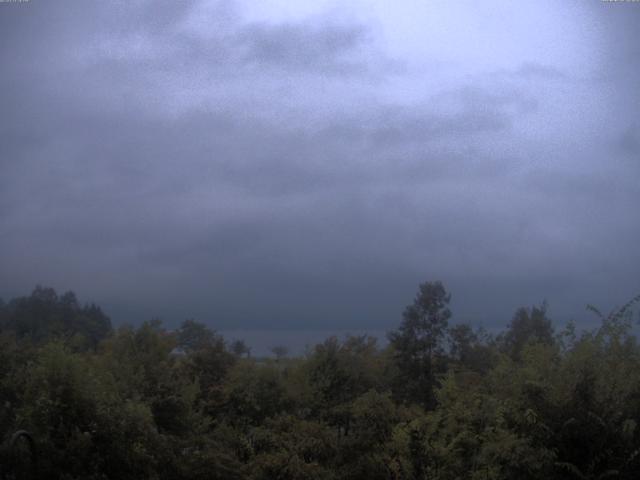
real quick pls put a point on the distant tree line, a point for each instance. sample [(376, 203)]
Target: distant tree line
[(440, 401)]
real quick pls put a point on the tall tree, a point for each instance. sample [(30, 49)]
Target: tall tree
[(527, 326), (418, 343), (469, 349), (193, 336)]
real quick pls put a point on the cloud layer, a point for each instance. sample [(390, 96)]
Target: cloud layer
[(182, 159)]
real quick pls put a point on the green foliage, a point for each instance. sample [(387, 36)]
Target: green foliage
[(438, 403), (254, 394), (291, 448), (337, 374)]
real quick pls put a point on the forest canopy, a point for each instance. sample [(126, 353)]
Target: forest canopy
[(440, 400)]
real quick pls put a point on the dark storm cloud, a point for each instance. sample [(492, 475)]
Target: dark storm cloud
[(175, 160)]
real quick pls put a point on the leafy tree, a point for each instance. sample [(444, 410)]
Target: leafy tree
[(193, 336), (470, 349), (290, 448), (253, 395), (366, 452), (44, 315), (338, 373), (418, 344), (83, 427), (527, 326)]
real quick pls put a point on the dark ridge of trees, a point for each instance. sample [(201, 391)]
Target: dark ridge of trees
[(44, 315), (441, 401)]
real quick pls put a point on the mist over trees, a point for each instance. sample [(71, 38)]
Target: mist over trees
[(441, 401)]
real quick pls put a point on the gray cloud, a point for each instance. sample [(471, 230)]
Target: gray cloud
[(183, 161), (302, 46)]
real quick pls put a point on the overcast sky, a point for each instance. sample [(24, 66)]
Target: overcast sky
[(304, 165)]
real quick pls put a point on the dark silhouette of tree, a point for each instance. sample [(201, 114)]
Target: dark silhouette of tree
[(44, 315), (193, 336), (469, 348), (418, 343), (527, 326)]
